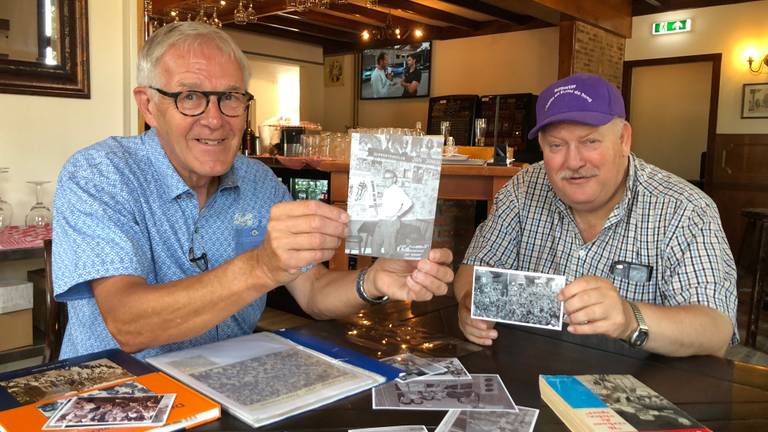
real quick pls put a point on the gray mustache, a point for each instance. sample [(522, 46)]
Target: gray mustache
[(569, 174)]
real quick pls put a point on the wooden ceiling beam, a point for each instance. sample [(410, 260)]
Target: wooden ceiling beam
[(309, 28), (614, 16), (499, 13), (431, 32), (329, 20), (271, 30), (431, 13)]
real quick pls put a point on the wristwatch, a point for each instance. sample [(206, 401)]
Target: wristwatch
[(640, 336), (360, 289)]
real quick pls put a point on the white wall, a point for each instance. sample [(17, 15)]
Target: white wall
[(277, 51), (38, 134), (516, 62), (732, 30)]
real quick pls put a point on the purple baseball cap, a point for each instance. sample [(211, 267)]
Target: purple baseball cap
[(579, 98)]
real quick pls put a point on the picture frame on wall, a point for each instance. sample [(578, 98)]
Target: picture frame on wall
[(754, 101), (334, 71)]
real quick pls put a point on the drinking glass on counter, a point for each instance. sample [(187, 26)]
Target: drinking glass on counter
[(480, 128), (450, 147), (39, 214), (6, 209)]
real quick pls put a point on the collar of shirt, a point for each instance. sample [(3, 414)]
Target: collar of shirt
[(172, 183)]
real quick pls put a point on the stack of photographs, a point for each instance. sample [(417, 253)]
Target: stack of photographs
[(392, 197), (516, 297), (481, 392), (112, 412), (489, 421)]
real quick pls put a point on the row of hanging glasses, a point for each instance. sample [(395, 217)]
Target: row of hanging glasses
[(38, 215)]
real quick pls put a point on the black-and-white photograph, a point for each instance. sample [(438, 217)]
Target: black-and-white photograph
[(489, 421), (454, 370), (55, 382), (482, 392), (124, 389), (637, 403), (393, 182), (413, 366), (516, 297), (404, 428), (92, 411), (274, 375)]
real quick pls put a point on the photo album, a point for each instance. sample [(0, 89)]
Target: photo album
[(262, 377), (393, 182)]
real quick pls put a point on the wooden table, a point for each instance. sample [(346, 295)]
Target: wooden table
[(722, 394), (459, 182)]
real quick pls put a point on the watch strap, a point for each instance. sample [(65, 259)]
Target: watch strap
[(642, 327), (360, 289)]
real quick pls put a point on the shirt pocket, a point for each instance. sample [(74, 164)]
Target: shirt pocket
[(247, 238), (644, 292)]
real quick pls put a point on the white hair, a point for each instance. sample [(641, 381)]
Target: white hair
[(184, 34)]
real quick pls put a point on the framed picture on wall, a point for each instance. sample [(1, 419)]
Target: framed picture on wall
[(754, 101), (334, 71)]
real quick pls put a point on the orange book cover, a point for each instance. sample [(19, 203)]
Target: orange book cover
[(190, 408)]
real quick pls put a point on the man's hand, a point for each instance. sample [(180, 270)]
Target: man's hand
[(478, 331), (593, 306), (300, 233), (411, 280)]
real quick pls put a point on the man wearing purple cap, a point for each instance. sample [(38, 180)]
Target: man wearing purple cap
[(642, 250)]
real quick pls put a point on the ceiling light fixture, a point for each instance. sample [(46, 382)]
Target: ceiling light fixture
[(390, 32)]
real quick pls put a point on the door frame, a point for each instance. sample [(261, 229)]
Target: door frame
[(714, 95)]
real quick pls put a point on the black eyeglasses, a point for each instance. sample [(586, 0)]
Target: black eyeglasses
[(200, 261), (193, 103)]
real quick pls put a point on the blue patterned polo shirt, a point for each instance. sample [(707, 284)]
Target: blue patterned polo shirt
[(663, 223), (122, 209)]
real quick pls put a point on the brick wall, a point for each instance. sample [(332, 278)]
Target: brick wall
[(597, 51)]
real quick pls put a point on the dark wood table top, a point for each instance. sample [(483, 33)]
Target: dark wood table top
[(722, 394)]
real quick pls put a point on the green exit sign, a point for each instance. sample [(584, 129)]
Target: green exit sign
[(675, 26)]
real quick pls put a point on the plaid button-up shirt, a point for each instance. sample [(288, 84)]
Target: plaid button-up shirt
[(662, 222)]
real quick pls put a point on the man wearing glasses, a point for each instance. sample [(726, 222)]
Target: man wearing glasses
[(642, 250), (171, 239)]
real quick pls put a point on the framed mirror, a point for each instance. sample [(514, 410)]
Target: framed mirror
[(44, 48)]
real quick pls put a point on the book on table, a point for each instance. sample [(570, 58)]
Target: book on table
[(612, 403), (265, 377), (29, 397)]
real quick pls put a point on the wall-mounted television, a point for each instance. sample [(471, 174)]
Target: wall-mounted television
[(397, 71)]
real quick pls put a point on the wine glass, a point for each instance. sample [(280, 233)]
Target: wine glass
[(240, 14), (39, 214), (6, 210), (250, 15)]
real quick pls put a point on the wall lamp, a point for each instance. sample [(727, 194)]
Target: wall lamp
[(760, 63)]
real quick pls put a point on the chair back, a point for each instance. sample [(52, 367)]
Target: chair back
[(57, 312)]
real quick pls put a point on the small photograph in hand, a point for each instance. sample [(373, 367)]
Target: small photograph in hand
[(112, 411), (393, 183), (516, 297), (413, 366)]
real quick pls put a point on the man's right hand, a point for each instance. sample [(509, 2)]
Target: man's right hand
[(478, 331), (300, 233)]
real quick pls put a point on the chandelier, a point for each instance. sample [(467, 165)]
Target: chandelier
[(202, 11)]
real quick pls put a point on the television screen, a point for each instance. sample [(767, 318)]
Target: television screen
[(395, 72)]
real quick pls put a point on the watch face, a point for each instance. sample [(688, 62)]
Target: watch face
[(639, 338)]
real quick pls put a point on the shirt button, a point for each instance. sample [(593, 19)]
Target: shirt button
[(254, 233), (582, 253)]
